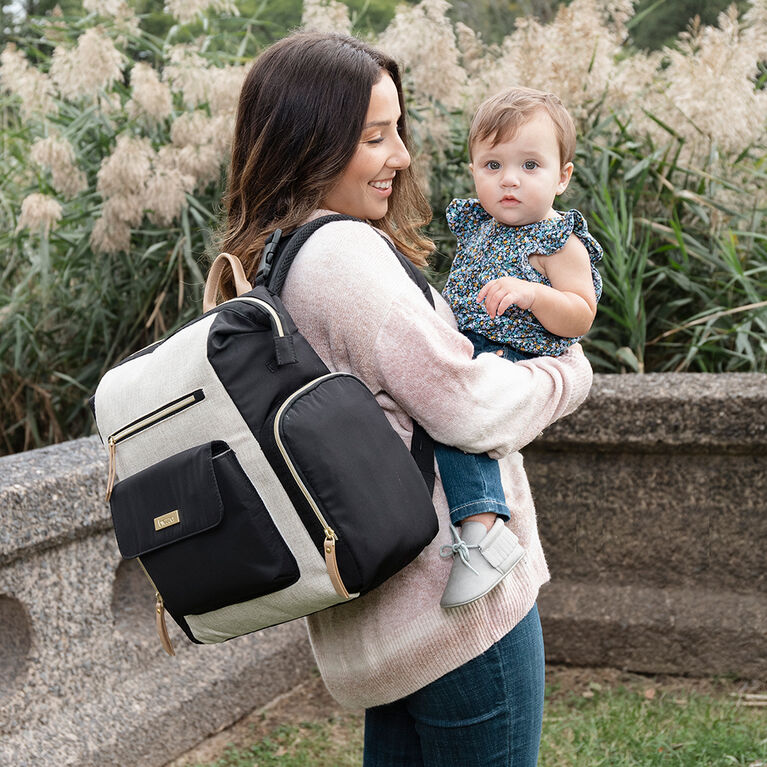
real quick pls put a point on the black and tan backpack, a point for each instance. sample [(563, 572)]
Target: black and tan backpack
[(253, 485)]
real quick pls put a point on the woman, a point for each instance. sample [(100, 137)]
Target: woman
[(321, 127)]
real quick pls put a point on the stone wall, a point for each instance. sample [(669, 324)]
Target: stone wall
[(652, 504), (83, 679)]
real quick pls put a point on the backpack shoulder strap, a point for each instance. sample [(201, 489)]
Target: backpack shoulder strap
[(413, 271), (280, 250), (279, 253)]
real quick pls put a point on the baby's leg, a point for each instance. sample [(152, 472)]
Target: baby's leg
[(487, 518), (483, 554), (472, 484)]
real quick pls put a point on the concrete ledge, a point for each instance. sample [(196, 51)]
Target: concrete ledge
[(51, 496), (662, 411), (655, 630), (652, 506), (144, 713), (83, 680)]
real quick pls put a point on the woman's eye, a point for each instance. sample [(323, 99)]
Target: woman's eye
[(493, 165), (530, 165), (378, 140)]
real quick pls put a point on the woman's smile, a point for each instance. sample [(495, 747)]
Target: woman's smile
[(383, 186)]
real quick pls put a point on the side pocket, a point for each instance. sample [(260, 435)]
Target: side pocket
[(352, 480), (201, 530)]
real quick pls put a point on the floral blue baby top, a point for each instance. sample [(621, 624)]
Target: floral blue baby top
[(487, 250)]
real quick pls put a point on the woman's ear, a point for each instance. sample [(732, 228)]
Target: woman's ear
[(564, 177)]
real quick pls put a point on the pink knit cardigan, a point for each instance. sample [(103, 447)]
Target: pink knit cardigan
[(356, 305)]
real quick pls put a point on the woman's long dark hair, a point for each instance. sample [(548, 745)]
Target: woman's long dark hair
[(300, 116)]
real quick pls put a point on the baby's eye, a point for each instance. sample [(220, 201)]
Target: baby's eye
[(530, 165), (493, 165)]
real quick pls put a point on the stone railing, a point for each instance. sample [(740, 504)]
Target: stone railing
[(652, 504), (652, 507), (83, 678)]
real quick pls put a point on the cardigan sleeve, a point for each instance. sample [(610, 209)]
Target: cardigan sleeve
[(483, 404), (376, 319)]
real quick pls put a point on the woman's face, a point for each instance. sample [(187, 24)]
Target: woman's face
[(364, 188)]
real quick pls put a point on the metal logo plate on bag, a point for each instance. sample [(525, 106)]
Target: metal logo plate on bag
[(166, 520)]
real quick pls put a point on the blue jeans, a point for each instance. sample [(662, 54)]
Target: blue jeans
[(486, 713), (472, 482)]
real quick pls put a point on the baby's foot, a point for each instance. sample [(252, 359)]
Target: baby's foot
[(482, 558)]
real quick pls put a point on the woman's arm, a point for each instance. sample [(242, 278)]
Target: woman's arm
[(479, 405), (355, 303)]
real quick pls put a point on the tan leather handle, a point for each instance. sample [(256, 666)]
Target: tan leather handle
[(241, 284)]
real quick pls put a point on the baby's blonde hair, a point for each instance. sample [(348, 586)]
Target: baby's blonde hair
[(499, 118)]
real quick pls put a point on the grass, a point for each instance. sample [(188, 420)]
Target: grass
[(623, 728), (329, 744), (592, 718)]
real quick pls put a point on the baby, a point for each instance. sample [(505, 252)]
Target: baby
[(523, 284)]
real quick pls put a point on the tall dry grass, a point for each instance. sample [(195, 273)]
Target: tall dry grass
[(114, 143)]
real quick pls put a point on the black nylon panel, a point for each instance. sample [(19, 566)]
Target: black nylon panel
[(422, 445), (185, 482), (242, 352), (362, 477)]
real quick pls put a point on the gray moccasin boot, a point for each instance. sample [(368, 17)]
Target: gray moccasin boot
[(482, 558)]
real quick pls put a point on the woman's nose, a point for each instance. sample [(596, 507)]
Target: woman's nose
[(399, 159)]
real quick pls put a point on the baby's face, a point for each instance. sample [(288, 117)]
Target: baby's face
[(518, 179)]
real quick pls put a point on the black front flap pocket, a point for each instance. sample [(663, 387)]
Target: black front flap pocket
[(201, 530)]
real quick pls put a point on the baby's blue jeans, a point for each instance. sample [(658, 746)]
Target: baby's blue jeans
[(486, 713), (471, 481)]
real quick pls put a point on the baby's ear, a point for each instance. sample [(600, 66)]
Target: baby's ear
[(564, 177)]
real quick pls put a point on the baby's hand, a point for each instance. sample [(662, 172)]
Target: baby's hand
[(500, 294)]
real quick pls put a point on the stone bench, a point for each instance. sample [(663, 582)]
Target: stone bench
[(651, 506), (83, 678)]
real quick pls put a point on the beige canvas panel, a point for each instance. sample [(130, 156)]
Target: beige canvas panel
[(299, 599)]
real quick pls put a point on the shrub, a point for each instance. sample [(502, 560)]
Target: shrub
[(115, 141)]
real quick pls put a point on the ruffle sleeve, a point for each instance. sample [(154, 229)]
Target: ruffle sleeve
[(464, 216), (547, 236), (580, 229)]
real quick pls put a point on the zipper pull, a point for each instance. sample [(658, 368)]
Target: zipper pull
[(111, 475), (332, 565), (162, 628)]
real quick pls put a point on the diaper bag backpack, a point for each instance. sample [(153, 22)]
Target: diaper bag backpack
[(252, 484)]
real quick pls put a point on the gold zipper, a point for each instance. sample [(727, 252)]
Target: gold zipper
[(263, 305), (159, 610), (329, 546), (128, 431)]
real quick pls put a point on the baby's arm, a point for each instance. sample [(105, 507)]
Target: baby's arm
[(567, 308)]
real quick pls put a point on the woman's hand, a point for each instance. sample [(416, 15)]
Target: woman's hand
[(501, 293)]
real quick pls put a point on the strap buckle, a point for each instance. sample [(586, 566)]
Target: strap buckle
[(267, 259)]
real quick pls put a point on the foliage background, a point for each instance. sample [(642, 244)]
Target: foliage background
[(116, 119)]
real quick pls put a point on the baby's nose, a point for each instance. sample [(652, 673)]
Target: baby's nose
[(510, 178)]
